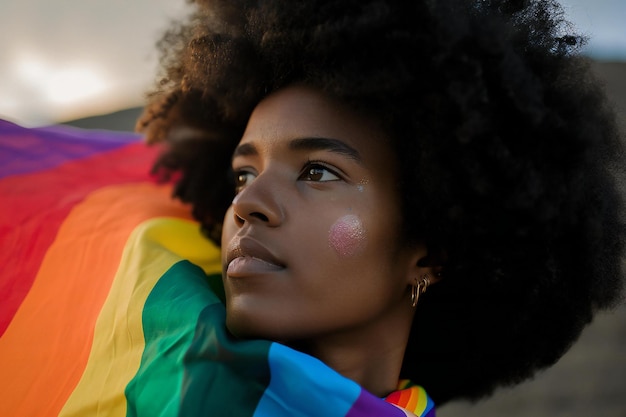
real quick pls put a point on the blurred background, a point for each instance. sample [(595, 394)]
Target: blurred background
[(88, 63), (67, 59), (63, 60)]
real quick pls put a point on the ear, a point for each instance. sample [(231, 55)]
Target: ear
[(425, 261)]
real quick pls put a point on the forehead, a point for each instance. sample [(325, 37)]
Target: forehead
[(298, 112)]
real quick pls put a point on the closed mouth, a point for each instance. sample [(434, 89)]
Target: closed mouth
[(247, 247)]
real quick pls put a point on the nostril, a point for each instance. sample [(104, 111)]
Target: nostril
[(240, 220), (260, 216)]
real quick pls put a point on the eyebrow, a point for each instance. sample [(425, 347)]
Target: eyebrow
[(325, 144), (245, 149), (307, 144)]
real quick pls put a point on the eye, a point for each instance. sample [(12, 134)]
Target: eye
[(243, 179), (318, 173)]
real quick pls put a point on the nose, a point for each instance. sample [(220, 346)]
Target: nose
[(258, 203)]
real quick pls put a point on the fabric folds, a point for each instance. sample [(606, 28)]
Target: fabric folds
[(112, 305)]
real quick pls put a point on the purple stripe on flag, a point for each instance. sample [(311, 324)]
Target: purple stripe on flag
[(430, 413), (369, 405), (24, 150)]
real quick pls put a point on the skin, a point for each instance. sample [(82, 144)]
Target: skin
[(283, 277)]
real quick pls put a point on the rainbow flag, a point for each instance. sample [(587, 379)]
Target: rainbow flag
[(111, 301)]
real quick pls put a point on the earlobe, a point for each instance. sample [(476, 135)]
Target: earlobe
[(426, 263), (432, 264), (425, 269)]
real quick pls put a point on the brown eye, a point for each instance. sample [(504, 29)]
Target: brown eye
[(318, 173), (315, 174), (243, 179)]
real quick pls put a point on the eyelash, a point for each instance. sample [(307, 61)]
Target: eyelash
[(306, 170), (310, 165)]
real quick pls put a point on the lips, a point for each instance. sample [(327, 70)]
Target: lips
[(246, 256)]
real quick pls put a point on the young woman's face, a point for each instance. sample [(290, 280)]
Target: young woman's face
[(310, 243)]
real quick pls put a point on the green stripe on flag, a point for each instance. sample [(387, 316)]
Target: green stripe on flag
[(170, 316), (225, 376)]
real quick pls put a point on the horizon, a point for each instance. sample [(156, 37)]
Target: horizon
[(76, 59)]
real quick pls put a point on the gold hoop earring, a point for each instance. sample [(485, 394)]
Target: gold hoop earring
[(419, 288)]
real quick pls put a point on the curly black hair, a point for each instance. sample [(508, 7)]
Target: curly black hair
[(510, 158)]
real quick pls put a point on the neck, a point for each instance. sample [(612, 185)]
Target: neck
[(371, 357)]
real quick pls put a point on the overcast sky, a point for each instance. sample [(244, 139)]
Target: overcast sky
[(64, 59)]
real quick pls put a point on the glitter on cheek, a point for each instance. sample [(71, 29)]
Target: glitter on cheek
[(361, 185), (347, 235)]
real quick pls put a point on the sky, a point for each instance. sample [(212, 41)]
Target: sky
[(66, 59)]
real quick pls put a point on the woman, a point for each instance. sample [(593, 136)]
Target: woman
[(422, 190)]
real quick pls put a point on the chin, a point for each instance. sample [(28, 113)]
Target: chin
[(246, 326)]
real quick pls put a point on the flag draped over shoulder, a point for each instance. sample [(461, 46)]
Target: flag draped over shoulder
[(111, 301)]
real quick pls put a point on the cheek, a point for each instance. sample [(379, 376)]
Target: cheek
[(226, 225), (229, 229), (347, 236)]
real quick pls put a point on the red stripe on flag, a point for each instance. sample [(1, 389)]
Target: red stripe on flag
[(35, 205)]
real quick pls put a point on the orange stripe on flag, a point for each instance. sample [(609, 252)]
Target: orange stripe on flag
[(45, 349), (118, 343)]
